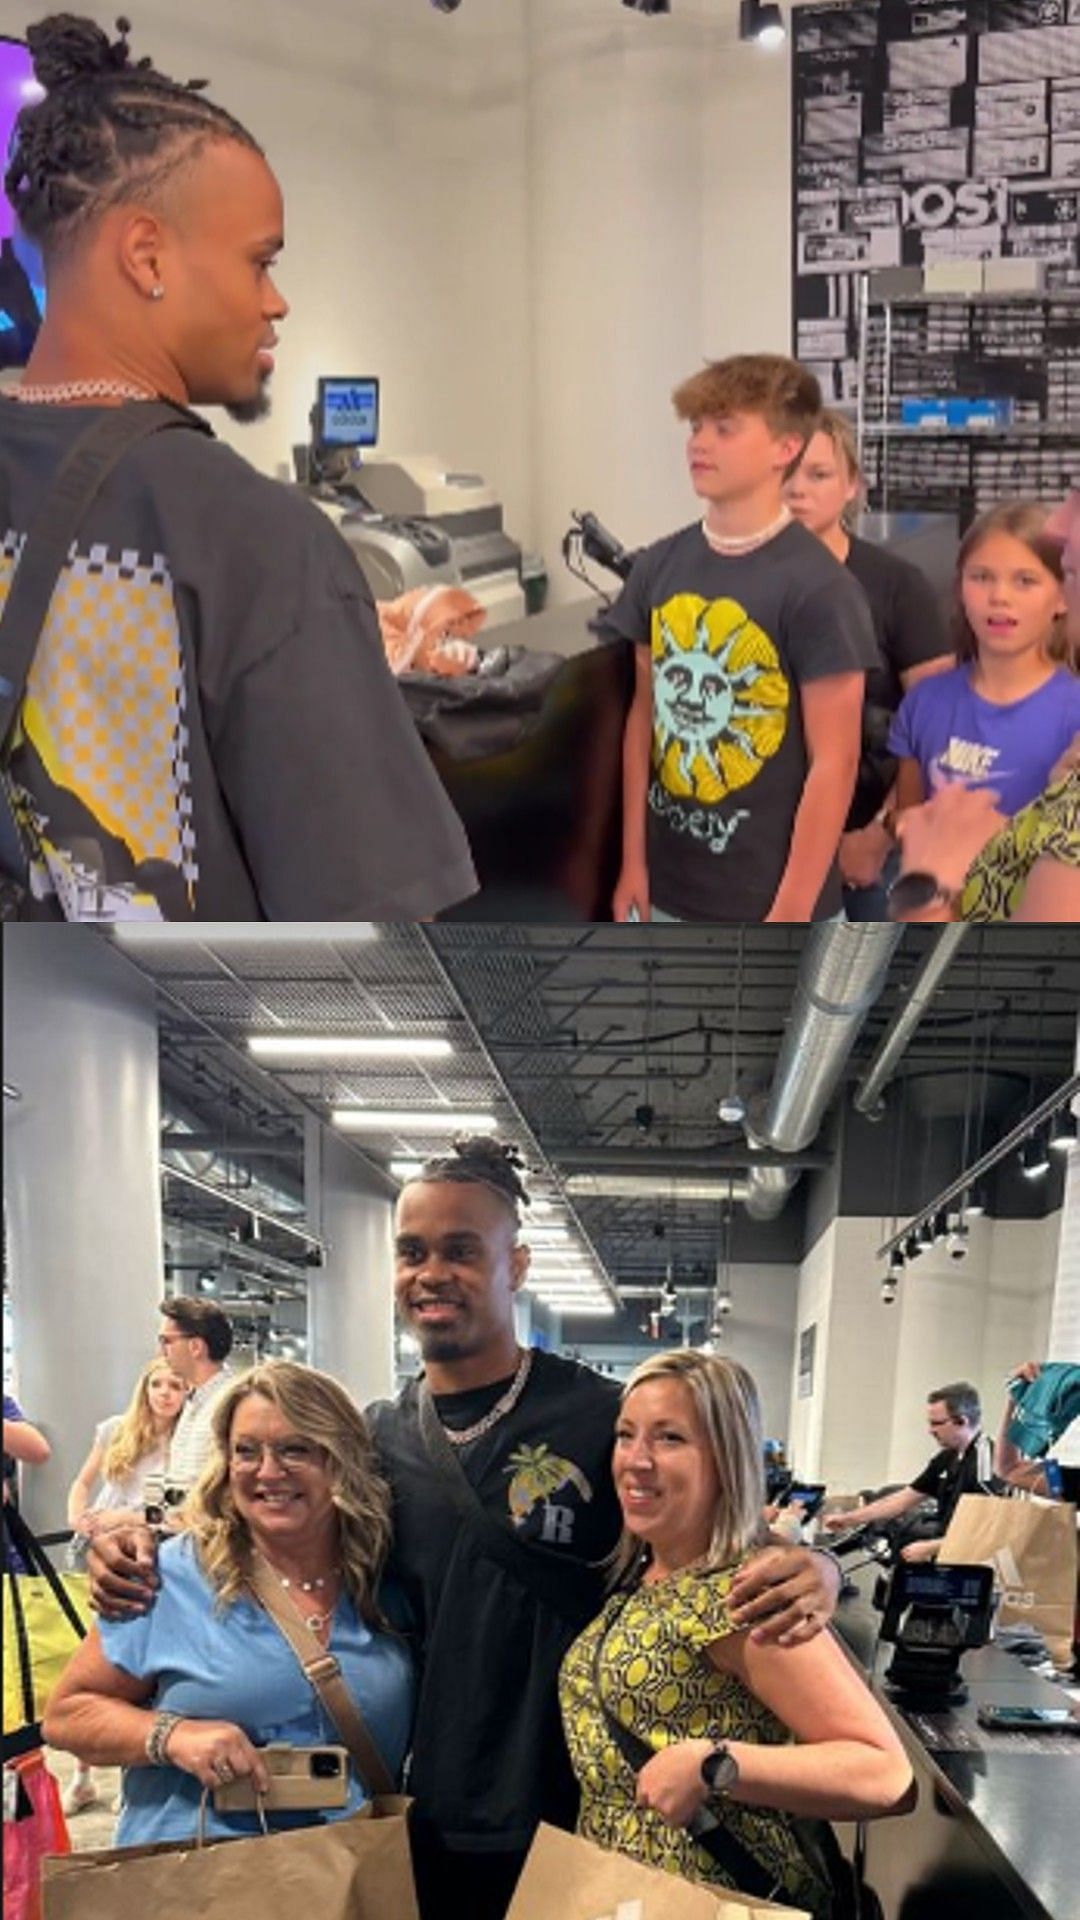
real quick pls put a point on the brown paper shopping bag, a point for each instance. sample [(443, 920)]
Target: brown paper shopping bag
[(353, 1869), (1031, 1545), (577, 1880)]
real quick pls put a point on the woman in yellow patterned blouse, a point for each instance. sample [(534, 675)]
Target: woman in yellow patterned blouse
[(664, 1662)]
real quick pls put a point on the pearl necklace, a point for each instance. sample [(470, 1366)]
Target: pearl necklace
[(314, 1622), (746, 543), (60, 395), (461, 1436)]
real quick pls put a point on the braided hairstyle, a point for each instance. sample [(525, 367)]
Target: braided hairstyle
[(479, 1159), (107, 131)]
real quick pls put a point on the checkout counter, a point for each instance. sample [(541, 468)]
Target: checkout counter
[(539, 795), (996, 1832)]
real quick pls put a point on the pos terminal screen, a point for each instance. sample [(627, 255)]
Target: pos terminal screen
[(347, 413)]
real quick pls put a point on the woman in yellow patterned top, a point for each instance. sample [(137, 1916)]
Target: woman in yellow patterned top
[(779, 1731)]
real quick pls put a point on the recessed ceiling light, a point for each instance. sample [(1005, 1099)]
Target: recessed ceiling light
[(401, 1120), (352, 1046)]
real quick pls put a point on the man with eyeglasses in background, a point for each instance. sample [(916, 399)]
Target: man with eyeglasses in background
[(964, 1464), (196, 1339)]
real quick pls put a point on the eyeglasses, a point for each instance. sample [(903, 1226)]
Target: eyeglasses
[(291, 1454)]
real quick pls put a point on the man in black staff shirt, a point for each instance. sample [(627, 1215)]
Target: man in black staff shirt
[(965, 1464), (504, 1514), (210, 729)]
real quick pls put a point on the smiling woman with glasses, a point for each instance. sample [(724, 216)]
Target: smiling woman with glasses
[(186, 1695)]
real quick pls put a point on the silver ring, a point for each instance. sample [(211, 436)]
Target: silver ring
[(223, 1771)]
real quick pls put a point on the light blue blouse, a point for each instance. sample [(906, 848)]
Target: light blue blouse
[(234, 1664)]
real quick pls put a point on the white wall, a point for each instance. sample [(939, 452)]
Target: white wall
[(532, 218), (952, 1320), (759, 1331)]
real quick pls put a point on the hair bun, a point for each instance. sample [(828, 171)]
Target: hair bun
[(67, 47)]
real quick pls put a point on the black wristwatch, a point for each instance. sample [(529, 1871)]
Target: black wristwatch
[(913, 891), (720, 1772)]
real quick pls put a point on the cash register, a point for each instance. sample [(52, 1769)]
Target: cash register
[(411, 521)]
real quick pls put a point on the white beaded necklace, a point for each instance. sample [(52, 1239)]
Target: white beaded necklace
[(746, 543), (62, 394)]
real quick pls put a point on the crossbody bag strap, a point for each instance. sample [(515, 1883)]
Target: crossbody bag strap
[(746, 1871), (323, 1672), (78, 480), (567, 1586)]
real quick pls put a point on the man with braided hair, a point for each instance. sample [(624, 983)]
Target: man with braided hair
[(504, 1516), (209, 729)]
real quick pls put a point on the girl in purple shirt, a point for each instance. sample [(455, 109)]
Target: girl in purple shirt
[(1006, 712)]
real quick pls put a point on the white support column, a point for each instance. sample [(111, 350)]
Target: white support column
[(351, 1298), (81, 1189)]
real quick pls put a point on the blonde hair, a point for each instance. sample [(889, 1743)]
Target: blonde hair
[(840, 432), (1026, 521), (729, 1414), (320, 1411), (136, 1434)]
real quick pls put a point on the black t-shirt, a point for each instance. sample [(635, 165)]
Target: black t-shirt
[(732, 638), (949, 1474), (910, 630), (211, 730), (489, 1759)]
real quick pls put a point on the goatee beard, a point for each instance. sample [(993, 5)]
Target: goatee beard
[(247, 412)]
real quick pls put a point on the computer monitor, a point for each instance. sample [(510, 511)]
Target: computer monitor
[(346, 413), (22, 277)]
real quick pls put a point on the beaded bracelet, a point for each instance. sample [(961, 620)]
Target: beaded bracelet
[(157, 1739)]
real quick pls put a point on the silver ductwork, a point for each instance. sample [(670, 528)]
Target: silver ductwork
[(843, 970), (202, 1157), (867, 1097)]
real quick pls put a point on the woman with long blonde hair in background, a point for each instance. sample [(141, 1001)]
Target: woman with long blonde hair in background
[(129, 1450)]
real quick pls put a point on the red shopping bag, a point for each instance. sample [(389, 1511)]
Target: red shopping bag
[(37, 1828)]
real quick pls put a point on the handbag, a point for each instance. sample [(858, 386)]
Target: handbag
[(321, 1668), (82, 473), (44, 1620), (34, 1826)]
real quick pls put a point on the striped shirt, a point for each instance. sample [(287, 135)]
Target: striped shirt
[(193, 1435)]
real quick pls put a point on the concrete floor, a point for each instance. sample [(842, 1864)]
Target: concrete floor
[(94, 1826)]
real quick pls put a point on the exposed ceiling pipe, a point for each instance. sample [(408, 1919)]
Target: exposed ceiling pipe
[(251, 1145), (841, 975), (698, 1163), (867, 1098), (206, 1162)]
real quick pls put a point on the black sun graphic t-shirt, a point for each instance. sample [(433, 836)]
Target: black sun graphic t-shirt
[(732, 639), (210, 729), (489, 1758)]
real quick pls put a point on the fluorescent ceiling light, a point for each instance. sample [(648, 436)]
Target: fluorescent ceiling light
[(584, 1310), (240, 933), (406, 1169), (545, 1237), (352, 1046), (398, 1120), (648, 1186)]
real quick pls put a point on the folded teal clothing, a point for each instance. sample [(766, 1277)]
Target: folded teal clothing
[(1044, 1407)]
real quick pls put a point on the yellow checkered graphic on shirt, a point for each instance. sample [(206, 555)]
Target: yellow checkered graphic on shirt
[(105, 700)]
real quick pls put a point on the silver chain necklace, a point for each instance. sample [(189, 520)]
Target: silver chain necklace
[(61, 395), (461, 1436)]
